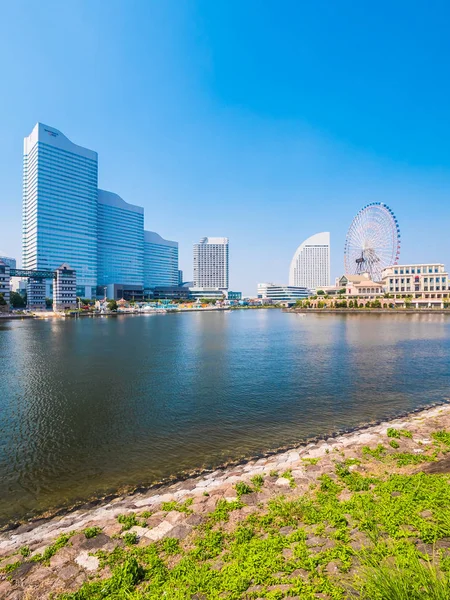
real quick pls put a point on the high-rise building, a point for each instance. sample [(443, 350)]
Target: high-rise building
[(120, 243), (11, 262), (60, 205), (211, 263), (310, 266), (160, 261)]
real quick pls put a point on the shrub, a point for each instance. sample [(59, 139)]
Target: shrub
[(242, 488), (130, 538), (92, 532)]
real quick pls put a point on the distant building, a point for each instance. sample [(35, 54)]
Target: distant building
[(120, 245), (60, 205), (180, 277), (199, 293), (281, 293), (424, 284), (211, 263), (310, 265), (160, 261), (5, 285), (170, 293), (234, 295), (360, 286), (65, 289), (11, 262)]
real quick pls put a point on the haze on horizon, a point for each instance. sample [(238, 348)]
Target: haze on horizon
[(259, 121)]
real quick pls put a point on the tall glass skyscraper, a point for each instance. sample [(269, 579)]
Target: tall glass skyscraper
[(120, 241), (160, 261), (60, 181)]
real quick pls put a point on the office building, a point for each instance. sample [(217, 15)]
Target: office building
[(60, 205), (310, 265), (281, 293), (428, 282), (180, 277), (5, 284), (160, 261), (120, 246), (64, 289), (11, 262), (211, 263), (36, 290)]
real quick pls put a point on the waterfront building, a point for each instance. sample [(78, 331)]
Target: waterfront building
[(64, 288), (170, 293), (310, 265), (234, 295), (360, 286), (199, 293), (60, 205), (7, 260), (211, 268), (120, 246), (180, 277), (36, 289), (420, 283), (5, 284), (160, 262), (282, 293)]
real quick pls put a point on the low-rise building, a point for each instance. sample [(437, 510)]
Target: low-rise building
[(5, 286), (65, 288), (274, 292), (36, 293), (421, 281)]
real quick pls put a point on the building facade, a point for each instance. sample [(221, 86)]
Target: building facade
[(211, 258), (310, 265), (36, 293), (282, 293), (160, 261), (420, 283), (64, 289), (5, 285), (60, 181), (120, 244), (7, 260)]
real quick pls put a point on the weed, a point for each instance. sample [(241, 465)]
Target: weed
[(171, 546), (443, 437), (206, 493), (223, 509), (258, 482), (127, 521), (273, 473), (288, 475), (394, 444), (11, 567), (178, 506), (25, 551), (146, 514), (51, 550), (130, 538), (242, 488), (310, 461), (92, 532), (377, 452)]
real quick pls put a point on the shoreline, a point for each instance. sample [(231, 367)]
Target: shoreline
[(129, 492), (264, 504), (365, 311)]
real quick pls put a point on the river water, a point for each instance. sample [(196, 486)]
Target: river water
[(92, 405)]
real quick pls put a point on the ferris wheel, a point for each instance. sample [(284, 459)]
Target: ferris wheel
[(372, 242)]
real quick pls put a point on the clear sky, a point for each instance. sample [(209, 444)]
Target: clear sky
[(265, 121)]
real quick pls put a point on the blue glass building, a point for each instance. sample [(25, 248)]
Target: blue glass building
[(60, 181), (120, 242), (160, 261)]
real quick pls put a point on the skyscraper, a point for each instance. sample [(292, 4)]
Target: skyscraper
[(120, 243), (160, 261), (60, 206), (211, 263), (310, 266)]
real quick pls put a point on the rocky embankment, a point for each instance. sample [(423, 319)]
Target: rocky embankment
[(296, 524)]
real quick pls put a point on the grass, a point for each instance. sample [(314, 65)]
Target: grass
[(310, 461), (242, 488), (128, 521), (92, 532), (288, 475), (130, 538), (178, 506), (51, 550), (398, 433), (258, 482)]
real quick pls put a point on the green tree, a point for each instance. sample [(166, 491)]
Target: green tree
[(112, 305), (320, 293), (17, 300), (2, 300)]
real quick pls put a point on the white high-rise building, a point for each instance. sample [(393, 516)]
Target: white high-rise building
[(60, 206), (310, 266), (211, 263)]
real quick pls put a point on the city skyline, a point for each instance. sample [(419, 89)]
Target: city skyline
[(207, 143)]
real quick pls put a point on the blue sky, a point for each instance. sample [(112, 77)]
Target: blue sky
[(258, 120)]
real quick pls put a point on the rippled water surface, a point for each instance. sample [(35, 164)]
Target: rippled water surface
[(88, 406)]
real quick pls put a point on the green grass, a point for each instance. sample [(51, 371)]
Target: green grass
[(394, 444), (182, 507), (310, 461), (130, 538), (258, 482), (92, 532), (398, 433), (128, 521), (51, 550), (288, 475), (442, 437), (242, 488)]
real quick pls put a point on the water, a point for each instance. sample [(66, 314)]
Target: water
[(89, 406)]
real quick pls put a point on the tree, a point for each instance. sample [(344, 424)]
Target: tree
[(320, 293), (48, 303), (112, 305), (2, 300), (17, 300), (350, 304)]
